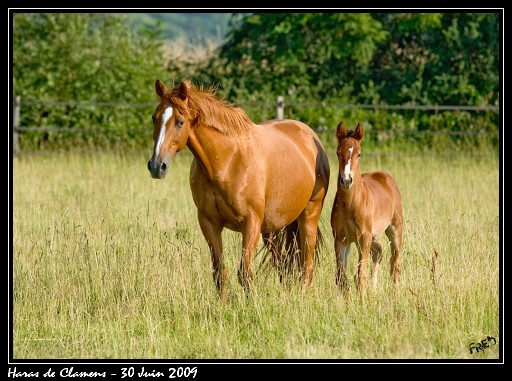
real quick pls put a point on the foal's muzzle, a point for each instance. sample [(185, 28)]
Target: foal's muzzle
[(346, 183)]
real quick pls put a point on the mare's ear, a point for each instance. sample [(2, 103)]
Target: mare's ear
[(182, 90), (340, 131), (160, 88), (359, 133)]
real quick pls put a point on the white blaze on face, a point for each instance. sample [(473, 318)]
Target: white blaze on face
[(165, 118), (346, 172)]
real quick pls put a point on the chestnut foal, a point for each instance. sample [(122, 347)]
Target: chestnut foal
[(365, 206)]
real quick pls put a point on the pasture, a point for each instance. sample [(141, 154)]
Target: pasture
[(109, 263)]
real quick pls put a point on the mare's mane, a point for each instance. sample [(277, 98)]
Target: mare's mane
[(210, 109)]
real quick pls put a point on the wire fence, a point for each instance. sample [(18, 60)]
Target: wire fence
[(279, 104)]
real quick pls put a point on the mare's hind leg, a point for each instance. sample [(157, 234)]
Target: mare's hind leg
[(276, 256), (376, 250), (212, 234), (394, 233), (251, 234), (308, 230)]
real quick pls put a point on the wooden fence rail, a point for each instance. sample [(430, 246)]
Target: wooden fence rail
[(280, 108)]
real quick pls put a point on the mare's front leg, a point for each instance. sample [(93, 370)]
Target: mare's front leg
[(251, 234), (213, 235)]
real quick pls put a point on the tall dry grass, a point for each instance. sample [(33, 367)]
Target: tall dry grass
[(108, 263)]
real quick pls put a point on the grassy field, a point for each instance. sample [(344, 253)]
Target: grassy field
[(111, 264)]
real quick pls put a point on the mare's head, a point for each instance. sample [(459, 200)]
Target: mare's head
[(348, 151), (171, 126)]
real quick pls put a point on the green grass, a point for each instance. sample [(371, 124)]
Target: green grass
[(111, 264)]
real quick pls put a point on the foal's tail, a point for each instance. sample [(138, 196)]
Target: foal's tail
[(283, 248)]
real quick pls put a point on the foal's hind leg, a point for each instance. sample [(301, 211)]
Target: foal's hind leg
[(376, 250)]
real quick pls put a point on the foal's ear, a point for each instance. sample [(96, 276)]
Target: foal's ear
[(340, 131), (160, 88), (182, 90), (359, 132)]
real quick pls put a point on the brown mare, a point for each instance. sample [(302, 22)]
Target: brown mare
[(365, 206), (252, 179)]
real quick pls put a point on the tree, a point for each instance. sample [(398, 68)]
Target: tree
[(300, 54), (393, 58), (433, 58), (84, 57), (377, 58)]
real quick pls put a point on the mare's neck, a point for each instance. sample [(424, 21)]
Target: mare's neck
[(213, 150)]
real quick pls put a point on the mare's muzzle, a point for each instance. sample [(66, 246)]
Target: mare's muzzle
[(157, 169)]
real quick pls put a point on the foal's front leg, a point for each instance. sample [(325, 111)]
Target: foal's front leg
[(213, 235), (342, 250), (363, 247)]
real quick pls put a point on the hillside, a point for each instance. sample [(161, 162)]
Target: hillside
[(194, 27)]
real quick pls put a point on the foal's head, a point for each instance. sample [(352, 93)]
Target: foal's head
[(348, 151)]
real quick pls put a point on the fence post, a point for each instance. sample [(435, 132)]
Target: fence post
[(15, 125), (280, 107)]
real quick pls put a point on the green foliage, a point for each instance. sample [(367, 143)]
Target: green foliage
[(449, 58), (299, 54), (76, 57), (317, 61), (388, 58)]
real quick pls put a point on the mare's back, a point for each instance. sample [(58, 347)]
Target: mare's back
[(288, 137), (288, 129), (295, 156)]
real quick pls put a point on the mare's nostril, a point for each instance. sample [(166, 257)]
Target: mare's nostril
[(163, 168), (149, 165)]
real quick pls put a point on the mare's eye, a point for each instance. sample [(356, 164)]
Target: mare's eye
[(358, 155), (179, 123), (154, 118)]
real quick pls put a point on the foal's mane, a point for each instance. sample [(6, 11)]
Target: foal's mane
[(348, 134), (210, 109)]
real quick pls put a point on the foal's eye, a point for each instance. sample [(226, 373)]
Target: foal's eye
[(179, 123)]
